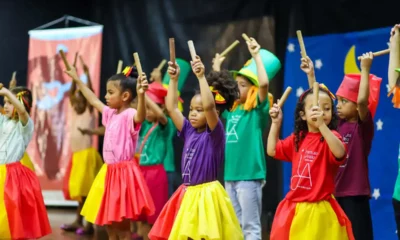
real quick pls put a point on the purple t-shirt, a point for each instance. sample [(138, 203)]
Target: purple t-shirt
[(352, 178), (203, 153)]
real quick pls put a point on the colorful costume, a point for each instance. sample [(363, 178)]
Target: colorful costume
[(353, 190), (119, 191), (200, 208), (309, 210), (85, 160), (22, 211), (396, 94), (245, 171)]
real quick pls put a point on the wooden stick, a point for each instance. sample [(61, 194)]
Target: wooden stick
[(162, 64), (75, 59), (172, 50), (67, 66), (81, 59), (316, 93), (227, 50), (119, 67), (14, 76), (378, 53), (246, 38), (137, 62), (301, 43), (284, 96), (192, 50)]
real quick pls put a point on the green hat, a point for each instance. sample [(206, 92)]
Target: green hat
[(249, 70), (398, 69), (185, 70)]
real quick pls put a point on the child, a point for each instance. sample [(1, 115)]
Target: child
[(358, 97), (85, 161), (316, 151), (22, 211), (394, 77), (200, 208), (245, 171), (119, 193), (157, 130)]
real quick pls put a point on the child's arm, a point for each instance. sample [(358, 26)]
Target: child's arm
[(363, 92), (19, 107), (308, 68), (72, 91), (96, 131), (335, 145), (89, 94), (172, 96), (217, 62), (394, 59), (207, 97), (263, 80), (157, 110), (141, 88), (276, 118)]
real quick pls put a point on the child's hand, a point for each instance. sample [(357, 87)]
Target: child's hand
[(84, 131), (254, 47), (317, 116), (307, 66), (3, 90), (217, 62), (155, 75), (394, 33), (366, 60), (173, 71), (198, 67), (142, 84), (72, 73), (276, 114), (13, 83)]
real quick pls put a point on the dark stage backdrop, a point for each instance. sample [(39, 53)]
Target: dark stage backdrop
[(145, 26)]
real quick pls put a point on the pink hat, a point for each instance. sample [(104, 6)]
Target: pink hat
[(157, 93)]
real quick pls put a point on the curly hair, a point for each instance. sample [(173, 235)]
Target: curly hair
[(127, 83), (224, 83), (26, 96), (300, 125)]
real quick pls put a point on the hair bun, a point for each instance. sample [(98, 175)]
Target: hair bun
[(134, 73)]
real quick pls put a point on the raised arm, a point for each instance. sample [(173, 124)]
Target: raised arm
[(263, 80), (96, 131), (207, 97), (172, 96), (19, 107), (141, 88), (308, 68), (217, 62), (394, 59), (276, 118), (363, 92), (157, 110), (86, 91)]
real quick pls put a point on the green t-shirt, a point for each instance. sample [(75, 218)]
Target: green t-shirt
[(244, 149), (156, 147), (396, 194)]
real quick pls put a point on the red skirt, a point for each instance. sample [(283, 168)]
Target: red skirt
[(119, 192), (157, 182), (22, 211)]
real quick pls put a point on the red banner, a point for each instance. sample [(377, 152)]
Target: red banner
[(49, 149)]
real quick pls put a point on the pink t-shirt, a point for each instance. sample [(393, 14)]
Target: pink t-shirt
[(121, 135)]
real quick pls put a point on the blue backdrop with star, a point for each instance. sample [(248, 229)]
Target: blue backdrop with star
[(333, 56)]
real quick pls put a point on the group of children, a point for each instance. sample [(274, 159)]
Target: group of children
[(329, 191)]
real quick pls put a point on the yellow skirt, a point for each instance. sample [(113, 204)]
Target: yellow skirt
[(206, 212), (81, 172), (26, 161)]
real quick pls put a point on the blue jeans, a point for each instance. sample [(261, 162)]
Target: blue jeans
[(246, 199)]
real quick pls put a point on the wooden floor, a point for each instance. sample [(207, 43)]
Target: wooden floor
[(59, 216)]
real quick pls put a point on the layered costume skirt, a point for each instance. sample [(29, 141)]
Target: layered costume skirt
[(80, 174), (311, 220), (119, 192), (26, 161), (23, 214), (202, 211)]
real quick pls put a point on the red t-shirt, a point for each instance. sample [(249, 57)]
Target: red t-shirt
[(314, 167)]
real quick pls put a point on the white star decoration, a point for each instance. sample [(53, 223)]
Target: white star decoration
[(299, 91), (388, 43), (376, 193), (379, 124), (290, 47), (318, 64)]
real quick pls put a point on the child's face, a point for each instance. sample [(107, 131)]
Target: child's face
[(150, 115), (325, 104), (346, 109), (197, 117), (8, 108), (114, 96), (244, 87)]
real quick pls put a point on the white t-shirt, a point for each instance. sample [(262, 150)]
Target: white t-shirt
[(14, 139)]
